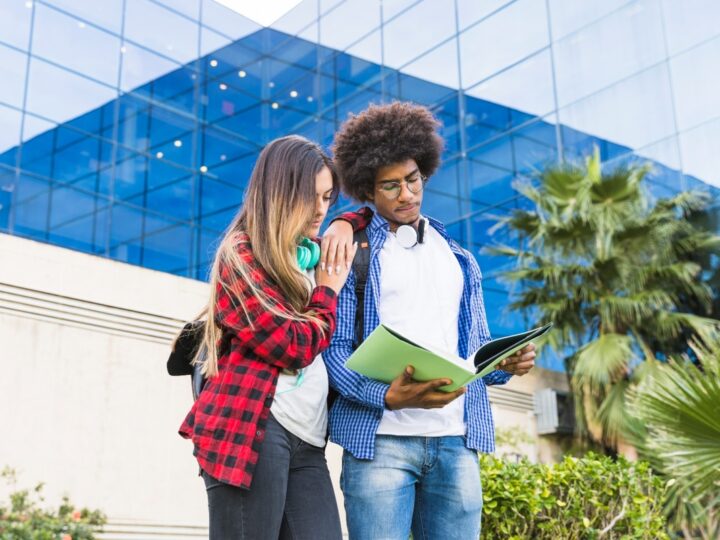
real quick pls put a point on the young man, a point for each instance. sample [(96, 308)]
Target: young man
[(410, 450)]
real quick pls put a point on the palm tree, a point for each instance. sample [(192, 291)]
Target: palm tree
[(678, 431), (609, 266)]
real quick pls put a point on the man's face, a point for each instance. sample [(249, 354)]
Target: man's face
[(393, 193)]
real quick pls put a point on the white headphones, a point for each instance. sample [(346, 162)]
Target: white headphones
[(408, 237)]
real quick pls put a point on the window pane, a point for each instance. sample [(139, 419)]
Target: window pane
[(470, 11), (511, 88), (76, 45), (690, 23), (106, 14), (168, 250), (337, 30), (32, 195), (569, 15), (12, 75), (439, 66), (141, 67), (71, 96), (300, 20), (9, 135), (15, 22), (190, 8), (226, 21), (701, 158), (503, 39), (633, 113), (407, 37), (631, 41), (696, 84), (161, 30)]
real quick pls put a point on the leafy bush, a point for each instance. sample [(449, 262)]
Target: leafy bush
[(24, 519), (587, 498)]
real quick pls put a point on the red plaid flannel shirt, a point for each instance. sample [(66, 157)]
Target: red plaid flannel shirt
[(227, 422)]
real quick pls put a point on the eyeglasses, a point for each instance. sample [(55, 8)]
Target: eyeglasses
[(391, 190)]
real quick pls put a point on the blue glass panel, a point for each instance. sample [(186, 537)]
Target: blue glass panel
[(489, 185), (420, 91), (172, 135), (126, 224), (176, 90), (12, 73), (349, 69), (497, 153), (577, 144), (72, 218), (7, 188), (226, 98), (446, 179), (173, 199), (130, 174), (83, 233), (447, 113), (36, 154), (31, 208), (440, 206), (218, 220), (10, 120), (168, 250), (209, 242), (76, 160)]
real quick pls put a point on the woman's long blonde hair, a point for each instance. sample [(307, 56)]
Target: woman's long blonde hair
[(279, 204)]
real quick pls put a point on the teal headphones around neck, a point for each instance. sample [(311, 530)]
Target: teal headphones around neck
[(308, 254)]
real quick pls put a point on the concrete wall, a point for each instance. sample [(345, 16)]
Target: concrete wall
[(87, 406)]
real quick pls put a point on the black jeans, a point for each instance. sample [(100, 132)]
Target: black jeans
[(291, 496)]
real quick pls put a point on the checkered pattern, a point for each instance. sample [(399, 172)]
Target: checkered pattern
[(227, 422), (356, 414)]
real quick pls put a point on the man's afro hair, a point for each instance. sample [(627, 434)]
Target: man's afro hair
[(383, 135)]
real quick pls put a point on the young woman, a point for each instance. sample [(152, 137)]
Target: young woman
[(260, 423)]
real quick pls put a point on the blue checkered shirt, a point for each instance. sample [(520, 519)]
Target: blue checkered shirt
[(356, 414)]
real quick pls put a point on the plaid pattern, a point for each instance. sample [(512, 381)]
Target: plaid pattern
[(356, 414), (227, 422)]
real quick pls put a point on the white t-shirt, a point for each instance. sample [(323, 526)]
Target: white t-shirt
[(300, 402), (420, 293)]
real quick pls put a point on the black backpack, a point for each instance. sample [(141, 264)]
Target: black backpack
[(190, 338), (180, 360)]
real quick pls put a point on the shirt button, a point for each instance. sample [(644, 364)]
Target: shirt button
[(259, 433)]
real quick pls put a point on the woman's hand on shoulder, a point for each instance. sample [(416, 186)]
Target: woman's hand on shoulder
[(337, 247), (335, 278)]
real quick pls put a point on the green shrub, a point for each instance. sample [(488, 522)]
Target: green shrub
[(22, 518), (587, 498)]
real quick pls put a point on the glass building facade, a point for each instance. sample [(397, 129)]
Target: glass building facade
[(128, 128)]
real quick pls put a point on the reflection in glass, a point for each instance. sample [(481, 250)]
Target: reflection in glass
[(501, 40)]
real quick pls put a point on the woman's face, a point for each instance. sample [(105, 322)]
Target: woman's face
[(323, 197)]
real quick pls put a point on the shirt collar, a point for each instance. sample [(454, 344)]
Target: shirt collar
[(380, 223)]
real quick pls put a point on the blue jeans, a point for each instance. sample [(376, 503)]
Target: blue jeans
[(430, 485), (291, 496)]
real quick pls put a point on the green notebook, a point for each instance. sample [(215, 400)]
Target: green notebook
[(386, 352)]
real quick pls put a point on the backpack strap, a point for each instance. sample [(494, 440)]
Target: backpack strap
[(360, 265)]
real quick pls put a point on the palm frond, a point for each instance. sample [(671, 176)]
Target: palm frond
[(604, 360)]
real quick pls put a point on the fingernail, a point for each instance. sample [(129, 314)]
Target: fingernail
[(337, 269), (322, 266), (329, 270)]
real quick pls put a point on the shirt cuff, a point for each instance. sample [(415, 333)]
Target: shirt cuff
[(324, 296), (375, 394)]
